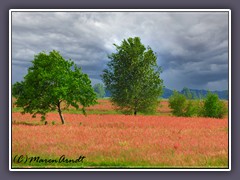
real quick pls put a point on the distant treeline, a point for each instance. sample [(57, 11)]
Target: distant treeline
[(194, 93)]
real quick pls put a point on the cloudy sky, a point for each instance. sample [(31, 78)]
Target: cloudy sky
[(192, 47)]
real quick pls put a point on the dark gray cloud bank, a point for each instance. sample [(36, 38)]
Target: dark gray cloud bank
[(192, 47)]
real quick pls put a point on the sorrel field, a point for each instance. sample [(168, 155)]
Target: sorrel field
[(108, 139)]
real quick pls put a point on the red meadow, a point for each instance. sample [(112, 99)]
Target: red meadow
[(124, 140)]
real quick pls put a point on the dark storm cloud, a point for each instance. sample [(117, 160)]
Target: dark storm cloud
[(192, 47)]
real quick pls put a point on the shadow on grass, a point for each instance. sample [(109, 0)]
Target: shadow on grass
[(28, 123)]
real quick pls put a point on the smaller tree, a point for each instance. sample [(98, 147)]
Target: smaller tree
[(177, 102), (181, 106), (193, 108), (213, 107), (99, 90)]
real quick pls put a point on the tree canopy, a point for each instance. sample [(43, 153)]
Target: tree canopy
[(133, 77), (213, 106), (177, 102), (183, 105), (51, 81)]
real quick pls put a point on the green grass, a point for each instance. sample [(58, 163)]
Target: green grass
[(219, 162), (101, 162), (17, 109), (79, 111), (75, 111)]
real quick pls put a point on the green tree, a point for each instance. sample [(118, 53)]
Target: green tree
[(51, 81), (133, 77), (182, 106), (177, 102), (99, 90), (213, 107)]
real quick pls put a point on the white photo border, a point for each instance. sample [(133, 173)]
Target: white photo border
[(120, 10)]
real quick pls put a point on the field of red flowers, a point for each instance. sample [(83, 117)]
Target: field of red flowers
[(124, 140), (106, 105)]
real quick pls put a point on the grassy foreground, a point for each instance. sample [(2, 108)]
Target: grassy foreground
[(121, 141), (108, 139)]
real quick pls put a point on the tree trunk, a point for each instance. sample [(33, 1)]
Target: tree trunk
[(135, 106), (135, 112), (61, 116), (60, 112)]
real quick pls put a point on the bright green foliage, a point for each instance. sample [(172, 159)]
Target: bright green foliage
[(50, 81), (99, 90), (193, 108), (213, 107), (177, 102), (133, 77), (210, 107), (181, 106)]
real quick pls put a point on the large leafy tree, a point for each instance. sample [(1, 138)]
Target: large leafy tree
[(133, 77), (51, 82)]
